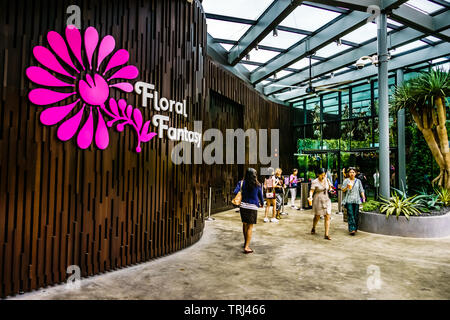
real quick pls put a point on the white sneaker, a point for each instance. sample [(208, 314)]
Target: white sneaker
[(275, 220), (266, 219), (295, 207), (283, 213)]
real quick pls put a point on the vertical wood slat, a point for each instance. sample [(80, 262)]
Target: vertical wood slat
[(107, 209)]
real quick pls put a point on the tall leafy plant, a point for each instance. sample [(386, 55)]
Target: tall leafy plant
[(425, 98)]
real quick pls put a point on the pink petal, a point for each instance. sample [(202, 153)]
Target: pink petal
[(68, 128), (124, 86), (90, 43), (86, 133), (145, 128), (128, 72), (106, 47), (101, 135), (113, 106), (44, 96), (45, 78), (73, 37), (122, 105), (148, 137), (54, 115), (137, 118), (58, 45), (47, 59), (119, 58)]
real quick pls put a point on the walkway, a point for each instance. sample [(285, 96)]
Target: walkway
[(288, 263)]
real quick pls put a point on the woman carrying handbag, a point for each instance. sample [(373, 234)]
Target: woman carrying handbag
[(251, 198)]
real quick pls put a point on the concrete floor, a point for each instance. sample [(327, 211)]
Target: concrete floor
[(288, 263)]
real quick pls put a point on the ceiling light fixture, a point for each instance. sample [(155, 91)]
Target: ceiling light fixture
[(247, 57), (275, 32)]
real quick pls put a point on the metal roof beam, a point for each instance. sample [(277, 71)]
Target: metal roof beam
[(422, 22), (409, 59), (306, 47), (397, 39), (275, 14)]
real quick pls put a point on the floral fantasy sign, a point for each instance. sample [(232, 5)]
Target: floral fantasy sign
[(95, 71)]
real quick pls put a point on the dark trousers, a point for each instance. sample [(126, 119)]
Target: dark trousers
[(352, 216)]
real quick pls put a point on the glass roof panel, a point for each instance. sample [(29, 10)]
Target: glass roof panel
[(248, 9), (283, 73), (283, 41), (424, 5), (303, 63), (366, 32), (434, 39), (226, 30), (409, 46), (331, 50), (227, 46), (308, 18), (249, 67), (395, 23), (262, 55)]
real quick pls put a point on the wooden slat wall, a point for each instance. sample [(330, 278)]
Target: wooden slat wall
[(258, 113), (103, 210)]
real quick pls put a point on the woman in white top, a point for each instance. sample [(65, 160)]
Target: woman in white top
[(321, 202)]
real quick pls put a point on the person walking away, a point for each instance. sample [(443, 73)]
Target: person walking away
[(269, 194), (376, 183), (321, 203), (353, 193), (293, 181), (252, 198), (279, 185)]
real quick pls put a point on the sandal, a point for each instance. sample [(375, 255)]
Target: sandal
[(247, 252), (313, 231), (327, 238)]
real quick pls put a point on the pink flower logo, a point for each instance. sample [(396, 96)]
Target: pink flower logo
[(91, 88)]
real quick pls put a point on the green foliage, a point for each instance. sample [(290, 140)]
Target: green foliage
[(331, 144), (371, 206), (400, 206), (428, 202), (302, 163), (430, 85), (311, 175), (443, 196), (418, 166)]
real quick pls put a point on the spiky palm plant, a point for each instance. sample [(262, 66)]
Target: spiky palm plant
[(399, 205), (425, 98), (443, 196)]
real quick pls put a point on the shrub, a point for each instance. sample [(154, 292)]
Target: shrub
[(371, 205)]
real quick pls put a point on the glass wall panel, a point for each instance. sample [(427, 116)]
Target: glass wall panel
[(313, 110), (361, 101), (345, 97), (331, 107), (346, 134), (362, 134)]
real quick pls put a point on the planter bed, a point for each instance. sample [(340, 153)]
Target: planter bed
[(430, 225)]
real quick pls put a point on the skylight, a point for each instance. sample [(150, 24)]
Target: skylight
[(284, 40), (409, 46), (308, 18), (424, 6), (226, 30), (262, 55), (331, 50), (248, 9)]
